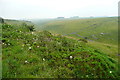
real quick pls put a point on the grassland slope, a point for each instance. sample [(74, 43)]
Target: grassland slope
[(34, 54), (103, 30)]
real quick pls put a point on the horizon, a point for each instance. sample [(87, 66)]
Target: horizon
[(72, 17)]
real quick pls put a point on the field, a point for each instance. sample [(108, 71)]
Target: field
[(60, 48), (98, 29), (101, 33)]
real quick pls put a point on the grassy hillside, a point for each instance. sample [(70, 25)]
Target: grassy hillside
[(103, 30), (17, 22), (101, 33), (40, 54)]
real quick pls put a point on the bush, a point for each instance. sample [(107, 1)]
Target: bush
[(31, 28)]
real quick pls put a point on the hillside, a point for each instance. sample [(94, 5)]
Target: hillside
[(17, 22), (103, 30), (101, 33), (27, 53)]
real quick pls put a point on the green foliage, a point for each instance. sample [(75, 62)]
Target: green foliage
[(36, 54), (29, 27)]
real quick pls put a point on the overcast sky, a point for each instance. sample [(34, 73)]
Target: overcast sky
[(22, 9)]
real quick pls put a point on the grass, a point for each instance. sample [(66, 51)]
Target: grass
[(103, 30), (27, 53), (101, 33), (110, 50)]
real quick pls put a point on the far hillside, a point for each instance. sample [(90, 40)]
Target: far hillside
[(103, 29), (17, 22)]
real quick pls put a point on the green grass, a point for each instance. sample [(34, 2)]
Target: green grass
[(90, 28), (40, 54), (102, 33), (17, 22)]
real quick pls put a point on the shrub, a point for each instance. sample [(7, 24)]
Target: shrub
[(31, 28)]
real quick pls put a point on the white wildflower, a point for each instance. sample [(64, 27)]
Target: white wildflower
[(110, 71), (71, 57), (3, 43), (38, 46), (32, 32), (30, 48), (86, 75), (28, 44), (26, 62), (101, 33), (43, 59)]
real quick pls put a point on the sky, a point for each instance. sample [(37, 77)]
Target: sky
[(31, 9)]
